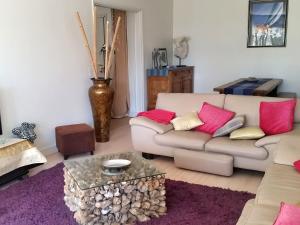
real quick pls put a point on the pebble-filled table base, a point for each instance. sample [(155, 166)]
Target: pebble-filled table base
[(136, 195)]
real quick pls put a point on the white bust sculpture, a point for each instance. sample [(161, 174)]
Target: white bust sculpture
[(181, 48)]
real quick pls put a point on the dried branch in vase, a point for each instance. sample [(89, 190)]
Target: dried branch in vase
[(86, 44), (110, 58)]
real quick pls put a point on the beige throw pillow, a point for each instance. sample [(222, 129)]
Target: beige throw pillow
[(187, 122), (248, 133)]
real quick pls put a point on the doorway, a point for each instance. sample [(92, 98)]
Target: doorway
[(134, 79)]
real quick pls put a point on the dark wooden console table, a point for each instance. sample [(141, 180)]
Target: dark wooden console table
[(267, 88)]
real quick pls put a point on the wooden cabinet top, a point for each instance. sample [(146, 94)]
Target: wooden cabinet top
[(166, 71), (181, 68)]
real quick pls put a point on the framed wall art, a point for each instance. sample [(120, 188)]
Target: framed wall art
[(267, 23), (163, 57), (160, 58)]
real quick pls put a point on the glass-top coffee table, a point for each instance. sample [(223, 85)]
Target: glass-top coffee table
[(95, 198)]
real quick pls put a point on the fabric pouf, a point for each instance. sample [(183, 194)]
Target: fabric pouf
[(75, 139)]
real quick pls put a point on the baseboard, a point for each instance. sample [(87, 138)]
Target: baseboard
[(48, 150), (132, 114)]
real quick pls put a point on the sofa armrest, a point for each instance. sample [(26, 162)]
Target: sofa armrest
[(288, 150), (268, 140), (275, 139), (145, 122)]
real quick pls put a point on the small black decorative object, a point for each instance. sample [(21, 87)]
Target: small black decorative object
[(25, 131)]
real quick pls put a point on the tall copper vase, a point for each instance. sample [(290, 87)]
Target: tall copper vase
[(101, 98)]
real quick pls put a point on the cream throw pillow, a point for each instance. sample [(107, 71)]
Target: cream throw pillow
[(248, 133), (187, 122)]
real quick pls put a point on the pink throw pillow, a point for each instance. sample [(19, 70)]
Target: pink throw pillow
[(159, 116), (277, 117), (297, 165), (288, 215), (213, 118)]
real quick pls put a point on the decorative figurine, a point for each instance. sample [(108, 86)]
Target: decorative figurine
[(25, 131), (181, 49)]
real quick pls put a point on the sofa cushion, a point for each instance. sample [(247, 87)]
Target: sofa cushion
[(213, 118), (249, 106), (247, 133), (236, 123), (187, 122), (242, 148), (289, 214), (204, 161), (297, 165), (288, 150), (280, 184), (159, 116), (183, 103), (183, 139), (258, 214), (246, 212), (282, 118)]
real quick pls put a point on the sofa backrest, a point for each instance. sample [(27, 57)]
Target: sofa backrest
[(182, 103), (249, 106)]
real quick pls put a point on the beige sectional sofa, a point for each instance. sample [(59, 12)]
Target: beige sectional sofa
[(199, 151), (281, 183)]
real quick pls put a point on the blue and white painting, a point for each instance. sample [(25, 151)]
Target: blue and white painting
[(267, 23)]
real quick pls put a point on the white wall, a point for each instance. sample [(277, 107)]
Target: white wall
[(218, 31), (44, 72), (44, 68)]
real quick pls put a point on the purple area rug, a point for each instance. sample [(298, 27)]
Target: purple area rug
[(38, 200)]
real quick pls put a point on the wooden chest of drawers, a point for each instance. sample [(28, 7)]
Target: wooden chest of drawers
[(177, 80)]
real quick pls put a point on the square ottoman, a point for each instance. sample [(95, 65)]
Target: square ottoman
[(204, 161), (75, 139)]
